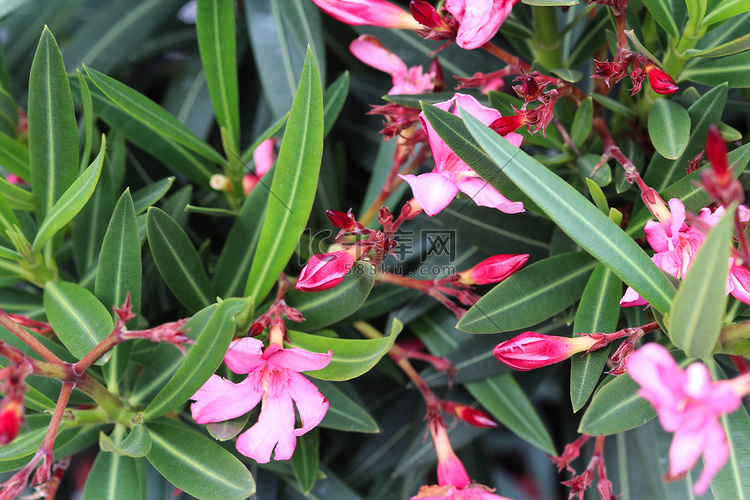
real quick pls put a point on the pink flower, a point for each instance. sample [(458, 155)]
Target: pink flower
[(689, 404), (264, 157), (494, 269), (434, 191), (406, 80), (531, 350), (324, 271), (368, 12), (272, 377), (676, 244), (478, 20)]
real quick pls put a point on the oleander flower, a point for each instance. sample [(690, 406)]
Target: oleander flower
[(406, 80), (478, 20)]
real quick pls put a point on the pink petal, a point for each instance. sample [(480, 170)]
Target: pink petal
[(714, 456), (311, 404), (739, 281), (244, 355), (685, 451), (432, 191), (275, 428), (299, 360), (368, 12), (632, 298), (485, 195), (478, 20), (264, 157), (370, 51), (476, 109), (219, 399), (650, 366), (656, 236)]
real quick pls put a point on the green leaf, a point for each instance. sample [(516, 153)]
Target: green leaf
[(640, 47), (351, 357), (293, 187), (70, 202), (509, 404), (8, 107), (669, 128), (330, 306), (14, 157), (598, 312), (735, 46), (136, 444), (197, 465), (697, 314), (215, 25), (153, 116), (615, 106), (580, 220), (586, 164), (334, 99), (227, 429), (17, 197), (731, 482), (78, 318), (616, 407), (177, 260), (269, 132), (598, 196), (114, 477), (569, 75), (734, 70), (201, 361), (343, 413), (725, 9), (53, 135), (305, 460), (581, 127), (662, 12), (531, 295), (150, 194)]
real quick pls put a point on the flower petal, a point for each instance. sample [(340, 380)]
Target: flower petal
[(485, 195), (685, 451), (244, 355), (299, 360), (311, 404), (714, 456), (219, 399), (631, 299), (432, 191), (739, 281), (370, 51), (275, 428)]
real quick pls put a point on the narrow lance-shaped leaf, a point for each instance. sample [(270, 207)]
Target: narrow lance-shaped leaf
[(293, 187), (697, 314), (53, 135), (215, 25), (662, 12), (583, 222), (306, 459), (136, 444), (71, 202), (616, 407)]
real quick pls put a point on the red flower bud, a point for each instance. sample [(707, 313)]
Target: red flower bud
[(384, 217), (716, 150), (11, 416), (507, 124), (324, 271), (425, 14), (530, 350), (660, 81), (340, 219), (494, 269), (474, 417)]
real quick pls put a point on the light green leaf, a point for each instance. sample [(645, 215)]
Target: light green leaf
[(293, 187), (669, 128), (531, 295), (697, 314), (17, 197), (640, 47), (14, 157), (201, 361), (216, 40), (228, 429), (585, 224), (509, 404), (663, 14), (197, 465), (78, 318), (598, 312), (735, 46), (351, 357), (53, 135), (725, 9), (70, 202), (178, 261)]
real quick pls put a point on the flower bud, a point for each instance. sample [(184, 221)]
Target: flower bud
[(324, 271), (494, 269), (11, 416), (660, 81), (507, 124), (426, 15), (340, 219), (716, 151), (384, 217), (368, 12), (530, 350), (474, 417), (221, 182)]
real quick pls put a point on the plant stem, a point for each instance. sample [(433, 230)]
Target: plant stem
[(27, 338)]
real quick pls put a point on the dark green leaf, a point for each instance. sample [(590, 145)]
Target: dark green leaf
[(136, 444), (334, 99), (305, 460), (114, 477), (330, 306), (197, 465), (78, 318), (14, 157), (201, 361), (616, 407), (669, 128), (662, 12), (17, 197), (726, 9), (580, 220), (509, 404), (531, 295), (581, 127), (178, 261), (344, 413), (351, 357), (737, 45), (598, 312), (53, 135), (149, 195), (615, 106), (293, 187), (696, 317)]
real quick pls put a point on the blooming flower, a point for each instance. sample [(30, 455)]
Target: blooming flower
[(434, 191), (406, 80), (368, 12), (478, 20), (324, 271), (272, 377), (531, 350), (493, 269), (676, 245), (689, 404)]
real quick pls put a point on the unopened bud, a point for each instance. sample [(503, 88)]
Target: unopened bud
[(324, 271), (221, 183), (474, 417), (11, 416), (426, 15), (530, 350), (716, 150), (249, 181), (508, 124), (384, 217), (493, 269), (660, 81), (340, 219)]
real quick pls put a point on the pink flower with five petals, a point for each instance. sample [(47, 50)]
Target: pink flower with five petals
[(689, 404), (273, 379), (406, 80), (434, 191)]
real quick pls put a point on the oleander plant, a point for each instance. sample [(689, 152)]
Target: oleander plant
[(374, 249)]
